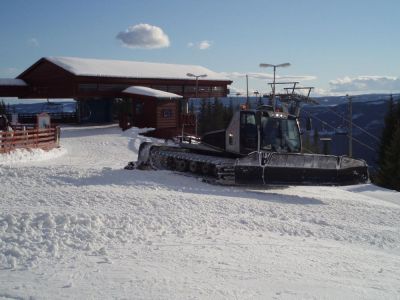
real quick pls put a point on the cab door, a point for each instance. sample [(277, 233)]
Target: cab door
[(248, 132)]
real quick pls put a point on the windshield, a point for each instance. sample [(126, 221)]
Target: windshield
[(281, 135)]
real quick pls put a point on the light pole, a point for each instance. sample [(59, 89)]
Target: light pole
[(197, 80), (350, 125), (257, 100), (273, 84), (197, 92)]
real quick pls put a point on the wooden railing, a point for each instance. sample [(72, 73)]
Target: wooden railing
[(21, 138)]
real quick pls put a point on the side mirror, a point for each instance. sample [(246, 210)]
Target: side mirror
[(308, 123)]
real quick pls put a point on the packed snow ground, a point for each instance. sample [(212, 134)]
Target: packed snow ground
[(75, 225)]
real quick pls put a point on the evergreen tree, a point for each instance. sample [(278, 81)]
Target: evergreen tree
[(315, 146), (306, 143), (388, 130), (209, 122), (389, 173), (228, 113), (191, 107), (260, 102), (218, 115), (389, 152), (202, 117), (3, 108)]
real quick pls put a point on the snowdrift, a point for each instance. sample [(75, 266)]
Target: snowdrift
[(79, 226)]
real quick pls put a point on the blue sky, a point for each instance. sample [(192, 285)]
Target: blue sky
[(340, 46)]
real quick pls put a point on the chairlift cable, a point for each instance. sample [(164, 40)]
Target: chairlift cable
[(363, 144), (354, 139), (355, 125)]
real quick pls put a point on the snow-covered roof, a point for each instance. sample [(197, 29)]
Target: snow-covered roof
[(131, 69), (146, 91), (12, 82)]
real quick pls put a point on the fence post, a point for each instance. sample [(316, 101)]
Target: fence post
[(37, 138), (57, 136), (1, 141), (13, 140)]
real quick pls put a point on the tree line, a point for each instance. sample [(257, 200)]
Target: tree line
[(3, 108), (388, 174), (214, 115)]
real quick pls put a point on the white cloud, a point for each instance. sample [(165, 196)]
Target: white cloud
[(203, 45), (235, 90), (33, 42), (144, 36), (365, 84), (266, 76), (320, 92)]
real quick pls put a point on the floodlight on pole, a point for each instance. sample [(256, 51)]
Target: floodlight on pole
[(197, 91), (262, 65), (197, 80)]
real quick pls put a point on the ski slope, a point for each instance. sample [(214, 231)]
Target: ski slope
[(75, 225)]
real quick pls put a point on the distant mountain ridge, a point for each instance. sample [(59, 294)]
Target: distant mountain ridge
[(49, 107)]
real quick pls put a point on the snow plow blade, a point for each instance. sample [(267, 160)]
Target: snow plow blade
[(300, 169)]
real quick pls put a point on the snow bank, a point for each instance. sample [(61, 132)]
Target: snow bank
[(24, 155), (80, 226), (30, 236)]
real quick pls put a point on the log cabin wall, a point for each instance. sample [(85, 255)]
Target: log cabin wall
[(96, 94), (47, 80), (167, 113), (13, 91), (143, 112)]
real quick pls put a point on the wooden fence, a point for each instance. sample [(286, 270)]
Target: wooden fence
[(29, 138)]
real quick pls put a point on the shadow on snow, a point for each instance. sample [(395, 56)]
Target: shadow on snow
[(183, 184)]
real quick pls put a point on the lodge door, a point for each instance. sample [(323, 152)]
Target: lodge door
[(138, 113)]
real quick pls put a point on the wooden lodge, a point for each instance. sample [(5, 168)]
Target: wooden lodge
[(140, 94)]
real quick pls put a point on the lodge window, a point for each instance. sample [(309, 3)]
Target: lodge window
[(88, 87), (160, 87), (167, 113), (112, 87), (204, 89), (190, 89), (175, 89), (217, 88)]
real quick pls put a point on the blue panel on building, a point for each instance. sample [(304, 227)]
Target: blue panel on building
[(100, 110)]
